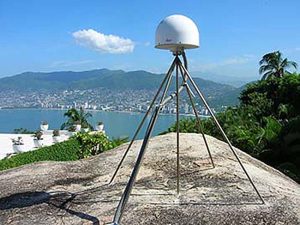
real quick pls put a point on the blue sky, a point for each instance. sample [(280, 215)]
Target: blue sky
[(38, 35)]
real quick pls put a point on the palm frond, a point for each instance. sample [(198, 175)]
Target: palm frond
[(265, 68), (267, 75), (272, 64), (75, 116), (292, 64)]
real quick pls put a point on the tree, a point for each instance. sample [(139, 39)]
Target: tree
[(273, 97), (273, 65), (74, 117), (266, 124), (22, 131)]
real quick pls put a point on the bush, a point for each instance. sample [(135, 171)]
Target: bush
[(81, 146), (118, 141), (266, 124), (92, 144), (273, 96), (95, 143), (64, 151)]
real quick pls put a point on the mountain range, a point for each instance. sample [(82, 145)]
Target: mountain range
[(225, 79), (110, 79)]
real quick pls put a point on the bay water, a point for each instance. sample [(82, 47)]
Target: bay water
[(116, 124)]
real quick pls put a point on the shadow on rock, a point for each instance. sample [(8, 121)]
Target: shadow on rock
[(59, 200)]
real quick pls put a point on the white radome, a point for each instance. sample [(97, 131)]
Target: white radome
[(176, 33)]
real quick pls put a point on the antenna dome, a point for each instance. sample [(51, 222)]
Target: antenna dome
[(176, 33)]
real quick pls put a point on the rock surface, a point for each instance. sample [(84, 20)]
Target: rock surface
[(78, 192)]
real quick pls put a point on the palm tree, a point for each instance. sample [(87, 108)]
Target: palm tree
[(74, 117), (273, 65)]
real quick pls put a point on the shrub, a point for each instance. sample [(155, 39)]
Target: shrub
[(17, 141), (118, 141), (81, 146), (55, 133), (266, 124), (38, 135), (22, 131), (44, 123), (95, 143), (64, 151)]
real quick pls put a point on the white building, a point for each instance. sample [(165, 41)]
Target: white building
[(29, 144)]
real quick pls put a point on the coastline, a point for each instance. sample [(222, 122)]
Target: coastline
[(99, 110), (117, 124)]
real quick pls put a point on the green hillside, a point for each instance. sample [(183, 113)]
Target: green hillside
[(110, 79)]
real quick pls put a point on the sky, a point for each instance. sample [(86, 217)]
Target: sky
[(59, 35)]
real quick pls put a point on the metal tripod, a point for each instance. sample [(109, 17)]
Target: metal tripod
[(164, 87)]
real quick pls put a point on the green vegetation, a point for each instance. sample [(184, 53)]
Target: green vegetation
[(96, 143), (80, 146), (102, 78), (266, 124), (113, 80), (38, 135), (273, 65), (23, 131), (76, 117), (64, 151), (55, 133)]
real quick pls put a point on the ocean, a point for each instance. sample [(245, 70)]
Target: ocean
[(116, 124)]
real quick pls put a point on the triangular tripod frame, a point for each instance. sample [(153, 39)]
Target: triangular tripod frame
[(164, 87)]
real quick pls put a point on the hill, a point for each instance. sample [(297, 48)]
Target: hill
[(104, 78), (78, 192), (135, 88), (225, 79)]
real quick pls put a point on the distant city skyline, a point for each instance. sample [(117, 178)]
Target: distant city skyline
[(79, 35)]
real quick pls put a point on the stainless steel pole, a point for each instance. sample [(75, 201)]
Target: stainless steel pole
[(177, 128), (129, 186), (128, 189), (220, 128), (198, 121), (167, 77)]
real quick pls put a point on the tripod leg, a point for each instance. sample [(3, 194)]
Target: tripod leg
[(167, 78), (177, 128), (128, 189), (198, 121), (220, 128)]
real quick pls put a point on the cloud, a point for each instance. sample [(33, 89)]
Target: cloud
[(103, 43), (236, 60), (70, 63), (244, 59)]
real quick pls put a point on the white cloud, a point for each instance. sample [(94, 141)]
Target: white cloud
[(103, 43), (236, 60), (70, 63), (240, 60)]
